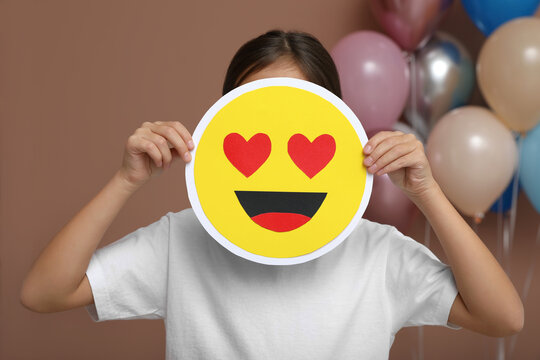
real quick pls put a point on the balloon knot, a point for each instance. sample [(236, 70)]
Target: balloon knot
[(478, 218)]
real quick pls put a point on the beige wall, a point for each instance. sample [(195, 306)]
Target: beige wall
[(78, 77)]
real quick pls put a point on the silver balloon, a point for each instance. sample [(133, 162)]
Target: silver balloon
[(442, 78), (404, 128)]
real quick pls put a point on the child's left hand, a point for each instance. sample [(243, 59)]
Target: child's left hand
[(402, 157)]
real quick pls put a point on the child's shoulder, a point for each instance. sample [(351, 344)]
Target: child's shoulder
[(183, 215), (376, 231), (373, 234), (184, 219)]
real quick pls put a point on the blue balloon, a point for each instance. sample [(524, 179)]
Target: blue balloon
[(529, 172), (504, 202), (488, 15)]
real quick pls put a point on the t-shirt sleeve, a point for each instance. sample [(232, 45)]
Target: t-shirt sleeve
[(421, 288), (129, 276)]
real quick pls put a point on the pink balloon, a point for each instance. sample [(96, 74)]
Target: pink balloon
[(374, 77), (389, 205), (409, 22)]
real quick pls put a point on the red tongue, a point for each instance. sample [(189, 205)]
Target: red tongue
[(280, 222)]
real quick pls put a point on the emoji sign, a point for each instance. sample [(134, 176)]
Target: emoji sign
[(277, 174)]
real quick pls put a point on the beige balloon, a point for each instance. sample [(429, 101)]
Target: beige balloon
[(473, 157), (508, 72)]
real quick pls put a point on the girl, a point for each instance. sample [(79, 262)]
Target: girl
[(346, 304)]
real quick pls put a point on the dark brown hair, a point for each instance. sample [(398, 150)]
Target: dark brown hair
[(304, 49)]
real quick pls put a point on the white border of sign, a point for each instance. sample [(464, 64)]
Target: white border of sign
[(197, 134)]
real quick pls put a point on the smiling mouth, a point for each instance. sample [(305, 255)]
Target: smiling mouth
[(280, 211)]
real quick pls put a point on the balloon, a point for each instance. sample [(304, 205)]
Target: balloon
[(504, 202), (473, 157), (529, 172), (444, 77), (488, 15), (508, 72), (406, 129), (409, 22), (389, 205), (374, 77)]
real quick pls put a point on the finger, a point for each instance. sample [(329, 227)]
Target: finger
[(392, 155), (408, 160), (378, 138), (171, 134), (148, 147), (161, 144), (176, 156), (184, 133), (181, 129), (385, 145)]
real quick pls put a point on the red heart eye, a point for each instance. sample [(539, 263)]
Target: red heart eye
[(311, 157), (247, 156)]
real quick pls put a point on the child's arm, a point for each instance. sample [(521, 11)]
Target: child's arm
[(487, 301), (57, 280)]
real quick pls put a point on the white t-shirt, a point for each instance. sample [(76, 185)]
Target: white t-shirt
[(347, 304)]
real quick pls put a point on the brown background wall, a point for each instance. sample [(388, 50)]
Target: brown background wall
[(76, 78)]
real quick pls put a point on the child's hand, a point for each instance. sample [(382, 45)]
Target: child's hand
[(153, 147), (402, 157)]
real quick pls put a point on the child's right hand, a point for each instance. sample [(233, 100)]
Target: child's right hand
[(152, 148)]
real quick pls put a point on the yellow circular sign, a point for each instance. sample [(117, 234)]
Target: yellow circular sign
[(277, 174)]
